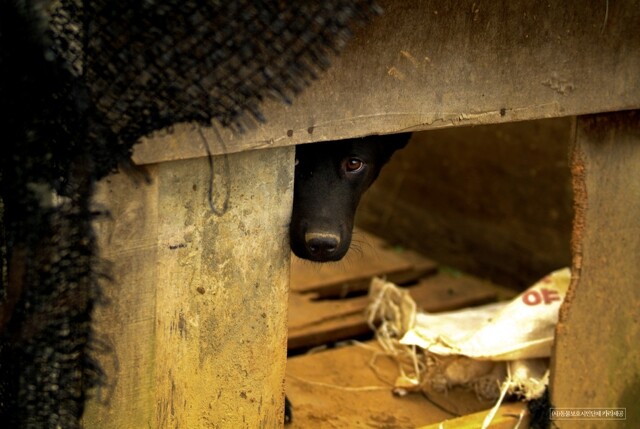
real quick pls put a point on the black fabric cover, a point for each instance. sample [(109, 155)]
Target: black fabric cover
[(81, 82)]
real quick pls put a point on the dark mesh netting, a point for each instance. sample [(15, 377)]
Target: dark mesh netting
[(81, 83)]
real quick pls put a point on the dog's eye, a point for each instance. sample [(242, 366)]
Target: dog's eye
[(353, 165)]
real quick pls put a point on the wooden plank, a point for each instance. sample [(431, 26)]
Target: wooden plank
[(509, 416), (128, 240), (426, 65), (370, 256), (339, 388), (595, 363), (315, 322), (188, 311)]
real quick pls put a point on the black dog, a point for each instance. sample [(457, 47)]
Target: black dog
[(330, 178)]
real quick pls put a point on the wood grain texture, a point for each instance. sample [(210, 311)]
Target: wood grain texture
[(433, 64), (197, 312), (507, 417), (595, 362), (315, 322), (128, 240), (347, 388), (327, 302)]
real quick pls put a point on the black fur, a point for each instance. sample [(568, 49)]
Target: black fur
[(330, 178)]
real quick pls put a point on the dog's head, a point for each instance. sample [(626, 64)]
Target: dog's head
[(330, 178)]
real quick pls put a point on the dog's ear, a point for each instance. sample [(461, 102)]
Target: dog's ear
[(392, 142), (401, 140)]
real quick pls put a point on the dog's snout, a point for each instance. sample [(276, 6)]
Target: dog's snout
[(321, 244)]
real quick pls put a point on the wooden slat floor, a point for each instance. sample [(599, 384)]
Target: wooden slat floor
[(338, 388)]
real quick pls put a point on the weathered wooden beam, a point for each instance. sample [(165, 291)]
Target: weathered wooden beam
[(434, 64), (196, 313), (595, 362)]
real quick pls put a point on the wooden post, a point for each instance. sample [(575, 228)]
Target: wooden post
[(197, 309), (596, 363)]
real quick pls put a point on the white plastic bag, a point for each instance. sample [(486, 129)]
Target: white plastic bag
[(495, 349), (520, 329)]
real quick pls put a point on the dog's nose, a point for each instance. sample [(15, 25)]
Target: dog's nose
[(321, 244)]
